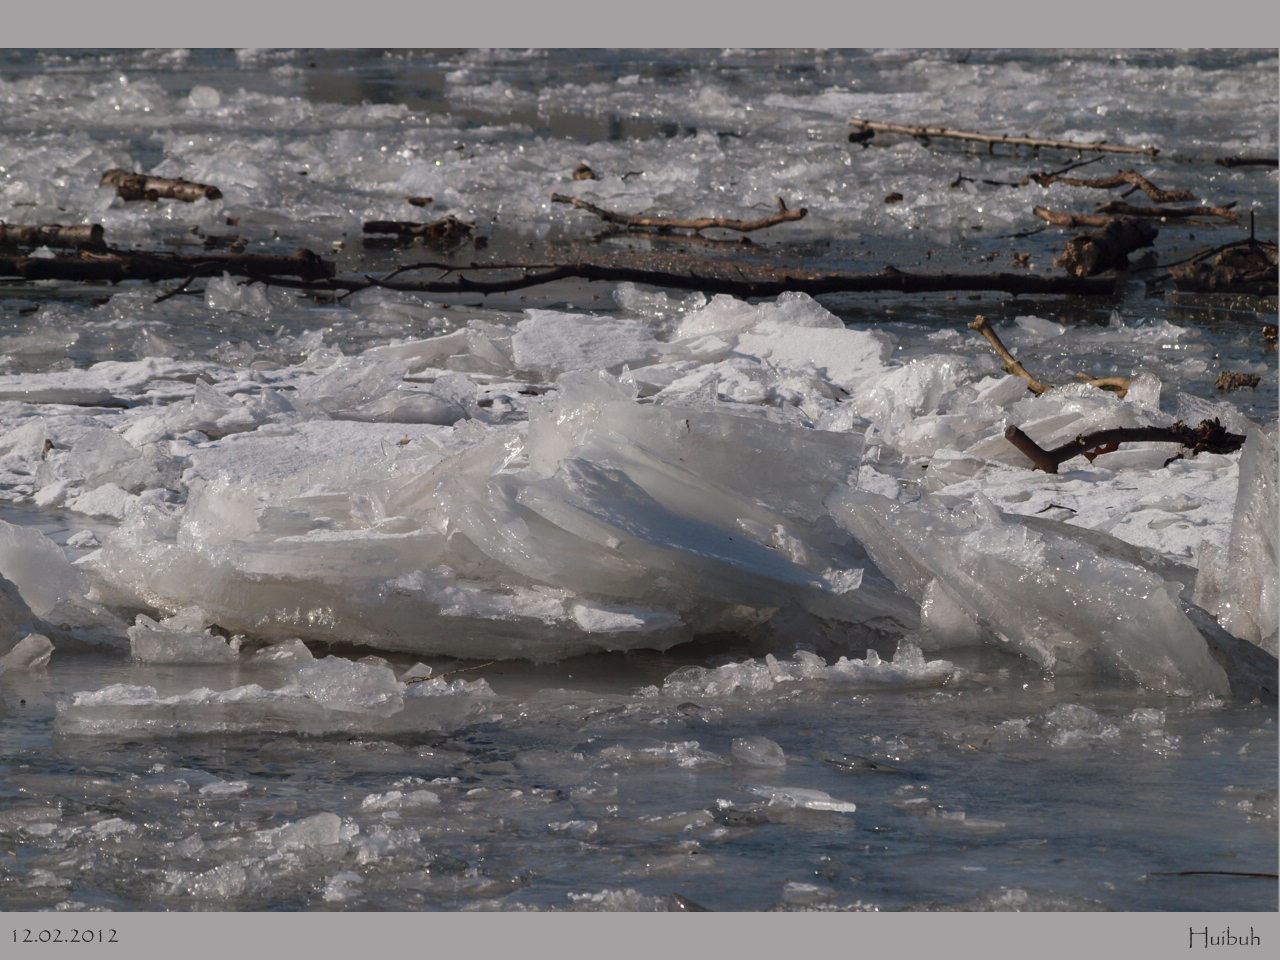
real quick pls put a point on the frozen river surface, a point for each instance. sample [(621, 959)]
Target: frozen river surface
[(598, 596)]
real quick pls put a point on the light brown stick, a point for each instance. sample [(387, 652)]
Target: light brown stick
[(1011, 365), (53, 235), (1072, 219), (1100, 146), (1124, 177), (1130, 210), (445, 231), (139, 186), (1117, 385), (700, 223)]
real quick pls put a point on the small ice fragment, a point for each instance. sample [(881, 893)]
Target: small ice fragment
[(107, 828), (342, 886), (757, 752), (220, 883), (204, 98), (32, 652), (419, 671), (397, 800), (84, 540), (320, 830), (289, 651), (224, 788), (179, 639), (803, 797), (842, 581), (340, 684)]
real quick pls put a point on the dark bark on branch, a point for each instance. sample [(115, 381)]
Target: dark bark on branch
[(1173, 213), (446, 232), (1247, 162), (674, 272), (1124, 177), (991, 140), (1106, 248), (115, 266), (139, 186), (1011, 365), (1229, 380), (52, 235), (699, 223), (1209, 437), (769, 284), (1047, 176), (1248, 267)]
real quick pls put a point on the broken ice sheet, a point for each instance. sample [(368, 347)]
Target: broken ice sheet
[(1051, 596), (329, 695), (32, 652), (803, 798), (907, 669)]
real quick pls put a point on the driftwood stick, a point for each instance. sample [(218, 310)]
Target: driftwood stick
[(699, 223), (175, 291), (442, 232), (1173, 213), (1117, 385), (1209, 437), (926, 132), (1247, 162), (1046, 176), (1072, 220), (1011, 365), (450, 673), (773, 284), (117, 265), (1245, 266), (1124, 177), (1106, 248), (139, 186), (706, 276), (52, 235)]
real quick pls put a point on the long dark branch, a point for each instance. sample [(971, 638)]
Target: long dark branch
[(1209, 437)]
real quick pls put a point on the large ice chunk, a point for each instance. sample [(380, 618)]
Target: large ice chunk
[(1054, 598), (39, 569), (324, 696), (1245, 598)]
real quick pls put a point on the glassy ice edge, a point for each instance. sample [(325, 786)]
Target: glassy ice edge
[(777, 619)]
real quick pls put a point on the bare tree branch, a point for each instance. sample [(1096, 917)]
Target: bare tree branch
[(1209, 437), (52, 235), (1011, 365), (1130, 210), (1247, 162), (925, 133), (699, 223), (1130, 177)]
